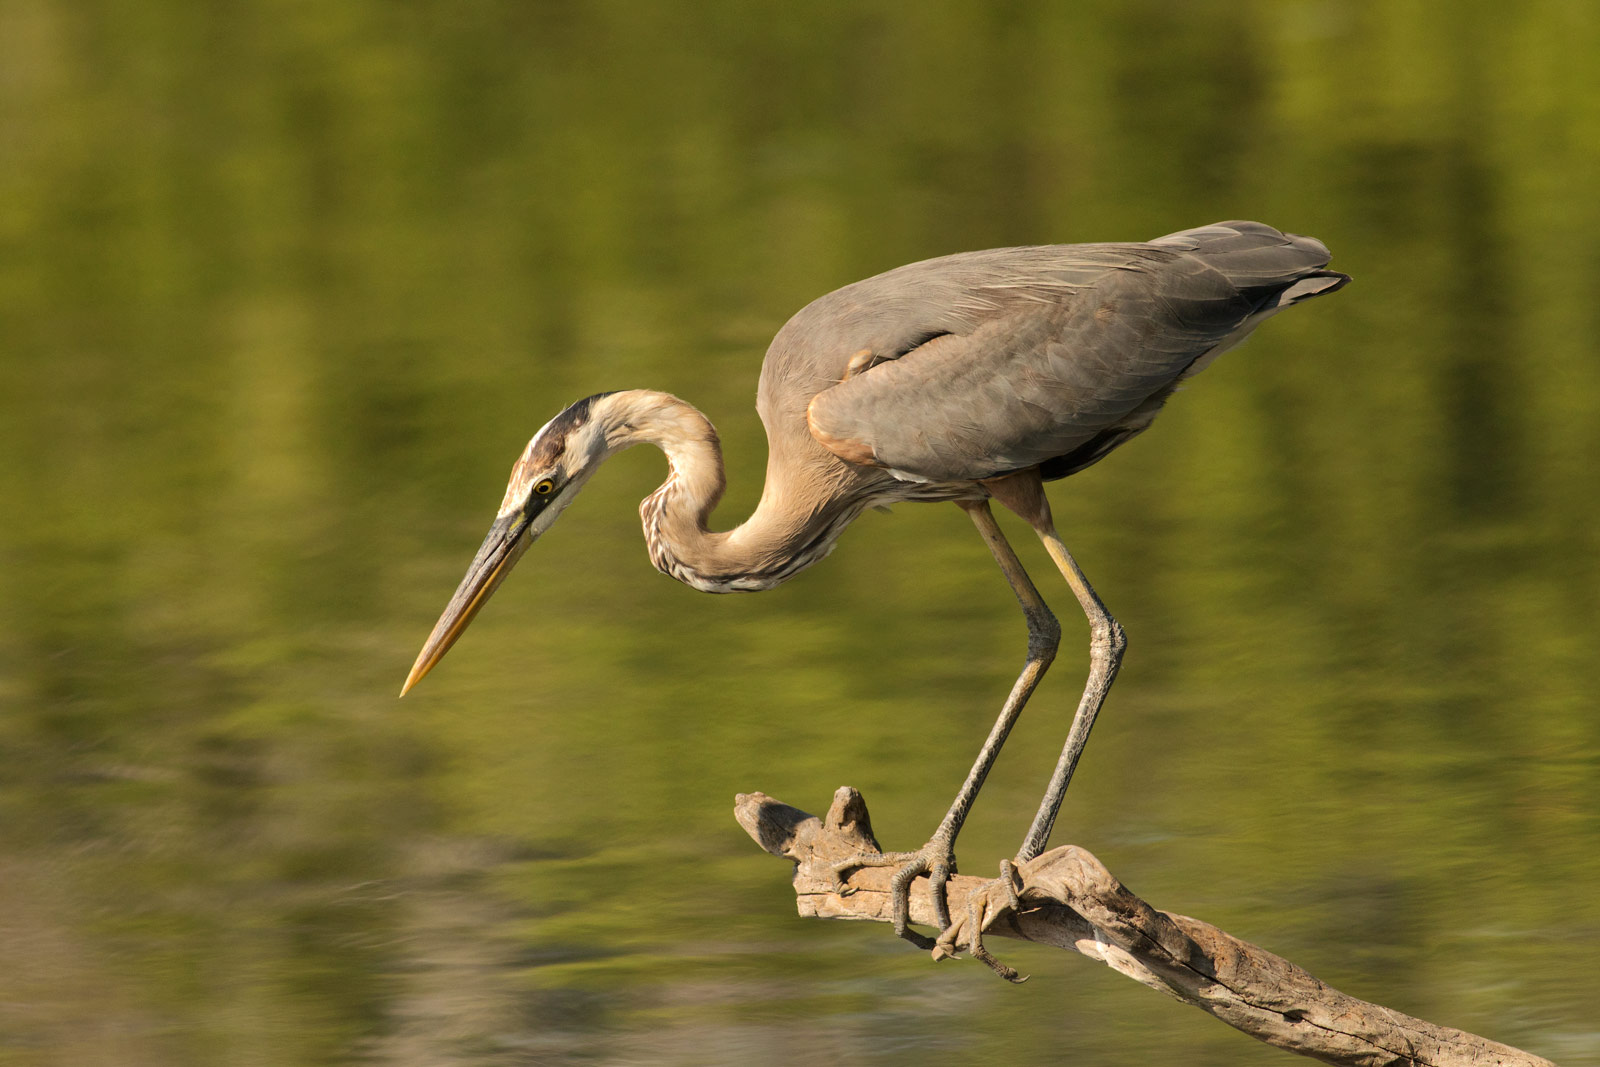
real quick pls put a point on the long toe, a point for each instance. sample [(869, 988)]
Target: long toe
[(935, 860), (982, 906)]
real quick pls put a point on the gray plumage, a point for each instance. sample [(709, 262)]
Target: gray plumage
[(968, 378), (990, 362)]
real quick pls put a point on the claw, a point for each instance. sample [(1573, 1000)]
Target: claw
[(977, 909), (900, 890), (1013, 883), (937, 868), (863, 859), (840, 886), (939, 887), (933, 859), (981, 906)]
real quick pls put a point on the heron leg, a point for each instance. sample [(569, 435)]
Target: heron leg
[(936, 858), (1024, 494), (1107, 641)]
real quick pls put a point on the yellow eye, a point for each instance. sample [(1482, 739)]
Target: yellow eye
[(545, 488)]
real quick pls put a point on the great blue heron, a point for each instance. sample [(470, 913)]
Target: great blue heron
[(962, 378)]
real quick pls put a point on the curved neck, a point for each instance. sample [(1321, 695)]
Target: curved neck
[(795, 525)]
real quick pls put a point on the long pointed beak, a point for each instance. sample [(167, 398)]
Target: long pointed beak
[(507, 540)]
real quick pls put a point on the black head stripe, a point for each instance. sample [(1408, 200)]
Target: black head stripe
[(553, 442)]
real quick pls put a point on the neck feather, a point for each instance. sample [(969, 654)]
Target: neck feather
[(796, 523)]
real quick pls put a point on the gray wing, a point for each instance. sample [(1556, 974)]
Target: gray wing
[(990, 362)]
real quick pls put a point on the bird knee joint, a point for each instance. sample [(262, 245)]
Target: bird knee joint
[(1109, 635), (1044, 636)]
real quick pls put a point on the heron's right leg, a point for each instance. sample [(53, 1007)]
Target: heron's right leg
[(935, 859)]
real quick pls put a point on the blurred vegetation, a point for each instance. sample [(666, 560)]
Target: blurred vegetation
[(286, 285)]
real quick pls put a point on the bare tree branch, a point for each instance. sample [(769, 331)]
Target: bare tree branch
[(1069, 899)]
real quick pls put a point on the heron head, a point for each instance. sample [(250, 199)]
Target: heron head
[(544, 480)]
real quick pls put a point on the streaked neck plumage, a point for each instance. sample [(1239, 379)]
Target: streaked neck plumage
[(797, 522)]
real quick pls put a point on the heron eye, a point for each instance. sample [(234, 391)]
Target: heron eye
[(545, 488)]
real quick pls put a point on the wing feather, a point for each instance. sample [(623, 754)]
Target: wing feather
[(996, 361)]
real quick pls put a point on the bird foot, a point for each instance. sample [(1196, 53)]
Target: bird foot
[(982, 906), (936, 859)]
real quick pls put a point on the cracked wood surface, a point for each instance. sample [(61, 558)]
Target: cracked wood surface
[(1072, 901)]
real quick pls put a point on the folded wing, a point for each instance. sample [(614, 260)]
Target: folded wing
[(1051, 355)]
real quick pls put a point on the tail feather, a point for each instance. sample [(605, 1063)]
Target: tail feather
[(1315, 284), (1277, 268)]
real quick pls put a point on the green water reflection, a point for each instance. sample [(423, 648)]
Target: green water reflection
[(285, 287)]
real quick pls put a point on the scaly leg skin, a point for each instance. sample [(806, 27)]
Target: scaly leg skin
[(936, 859), (1106, 645), (982, 903), (1107, 642)]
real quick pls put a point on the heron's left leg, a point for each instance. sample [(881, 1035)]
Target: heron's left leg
[(936, 858), (1107, 641)]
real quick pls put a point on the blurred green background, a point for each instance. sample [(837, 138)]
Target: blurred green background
[(285, 285)]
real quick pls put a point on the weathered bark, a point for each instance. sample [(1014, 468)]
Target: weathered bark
[(1068, 899)]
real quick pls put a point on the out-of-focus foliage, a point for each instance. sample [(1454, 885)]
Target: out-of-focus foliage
[(286, 285)]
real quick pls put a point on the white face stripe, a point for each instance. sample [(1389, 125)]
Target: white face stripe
[(589, 431), (583, 451), (520, 483)]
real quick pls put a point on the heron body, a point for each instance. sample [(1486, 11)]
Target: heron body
[(965, 378)]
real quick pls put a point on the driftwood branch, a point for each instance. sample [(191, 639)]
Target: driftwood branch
[(1071, 901)]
